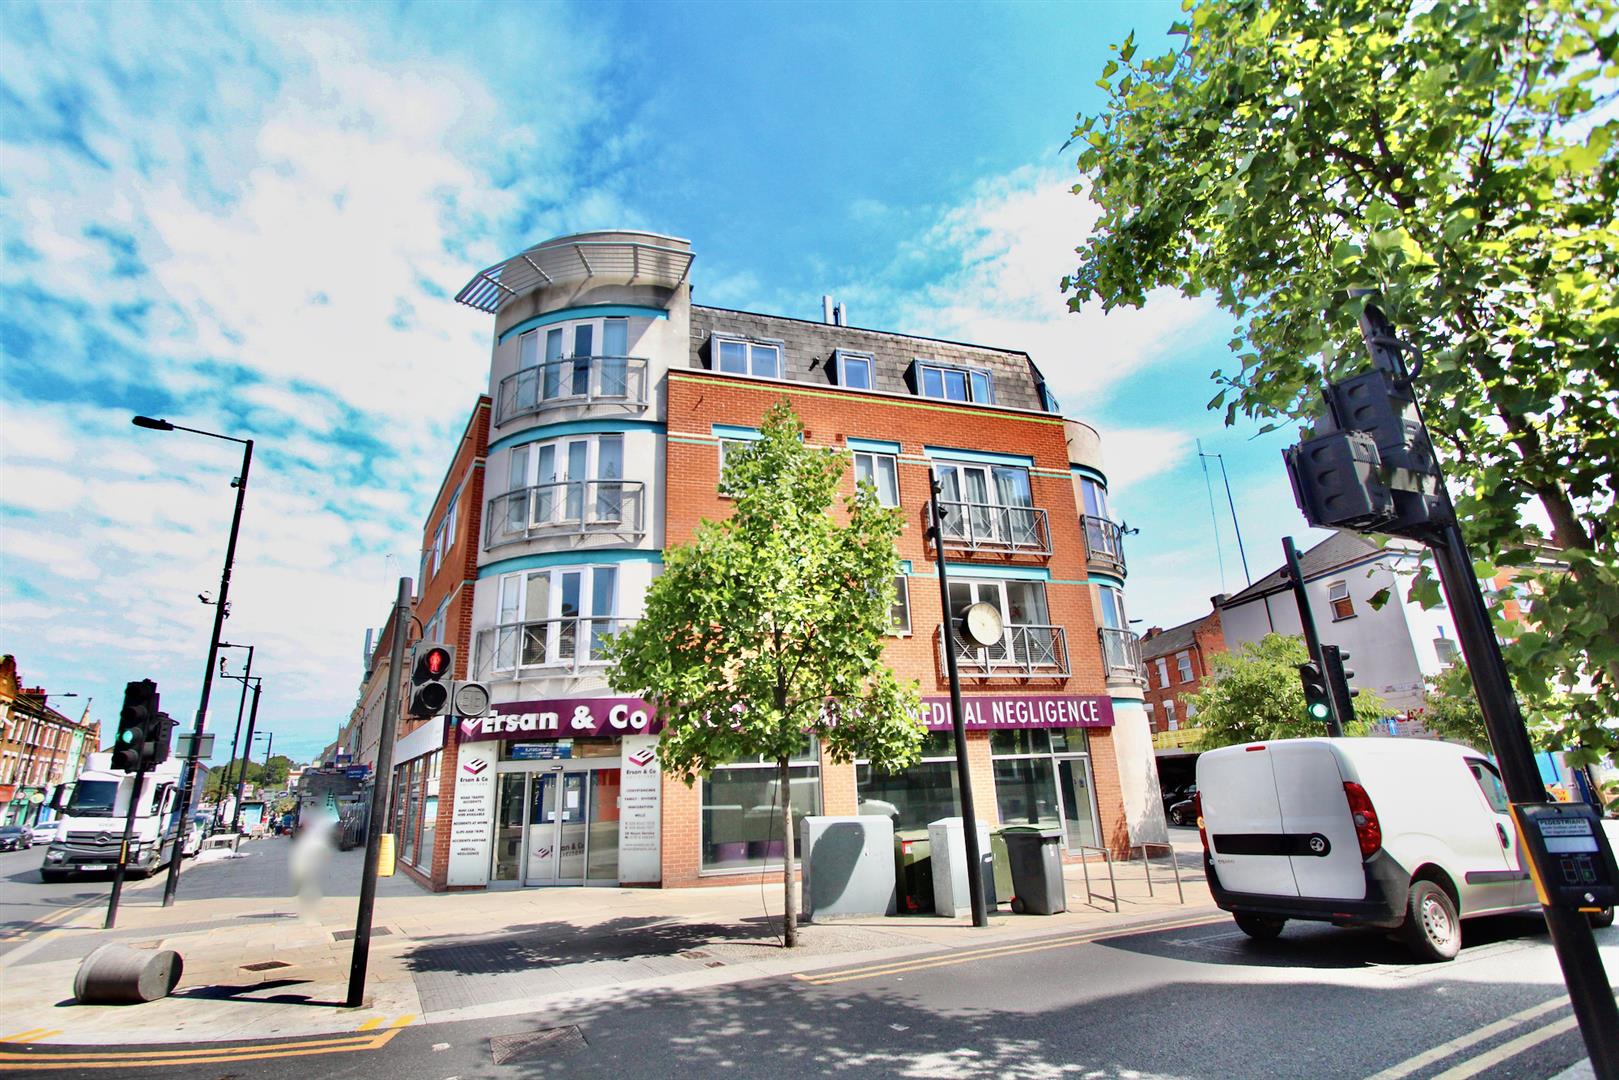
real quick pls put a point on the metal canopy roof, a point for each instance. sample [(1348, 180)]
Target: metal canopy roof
[(575, 259)]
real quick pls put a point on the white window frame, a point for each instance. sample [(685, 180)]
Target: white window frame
[(1169, 714), (750, 347), (871, 456), (902, 599), (1162, 663), (1338, 592), (519, 580), (842, 358), (1183, 665), (559, 516), (568, 339), (974, 395)]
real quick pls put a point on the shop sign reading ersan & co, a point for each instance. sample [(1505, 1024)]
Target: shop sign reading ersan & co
[(563, 718)]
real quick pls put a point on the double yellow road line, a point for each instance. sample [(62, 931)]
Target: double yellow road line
[(1015, 948), (371, 1035)]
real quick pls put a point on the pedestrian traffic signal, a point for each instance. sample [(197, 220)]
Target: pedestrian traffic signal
[(469, 699), (1316, 694), (432, 671), (136, 723), (1337, 481)]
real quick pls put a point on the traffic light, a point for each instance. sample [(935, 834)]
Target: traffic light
[(1338, 676), (432, 671), (1337, 481), (1316, 694), (136, 723), (162, 736), (469, 699)]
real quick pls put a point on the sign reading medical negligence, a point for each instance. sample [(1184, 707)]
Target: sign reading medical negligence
[(639, 854), (473, 813), (563, 718), (1008, 712)]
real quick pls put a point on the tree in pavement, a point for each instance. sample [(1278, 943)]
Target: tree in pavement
[(1255, 694), (767, 628), (1459, 158), (1451, 711)]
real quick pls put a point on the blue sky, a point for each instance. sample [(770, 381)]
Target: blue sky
[(250, 219)]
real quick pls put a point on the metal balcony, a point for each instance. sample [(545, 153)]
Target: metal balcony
[(1121, 654), (567, 646), (1027, 651), (567, 508), (1104, 544), (975, 526), (619, 381)]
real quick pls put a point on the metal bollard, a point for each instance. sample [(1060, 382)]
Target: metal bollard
[(120, 975)]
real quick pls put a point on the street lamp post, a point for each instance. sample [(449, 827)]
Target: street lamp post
[(247, 754), (188, 774), (219, 804)]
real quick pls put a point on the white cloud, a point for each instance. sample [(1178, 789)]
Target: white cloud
[(1137, 454)]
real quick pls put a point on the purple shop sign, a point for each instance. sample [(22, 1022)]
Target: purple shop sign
[(563, 718), (1013, 711)]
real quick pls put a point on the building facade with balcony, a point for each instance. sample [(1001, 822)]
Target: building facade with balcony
[(614, 401), (41, 749)]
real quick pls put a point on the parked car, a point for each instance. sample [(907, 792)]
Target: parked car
[(43, 834), (15, 838), (1174, 793), (1184, 810), (1406, 835)]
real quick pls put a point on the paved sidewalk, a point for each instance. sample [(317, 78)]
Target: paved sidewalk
[(259, 967)]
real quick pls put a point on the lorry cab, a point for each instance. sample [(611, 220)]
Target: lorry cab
[(91, 829), (1407, 835)]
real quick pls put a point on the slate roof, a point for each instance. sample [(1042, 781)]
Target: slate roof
[(1339, 549), (1170, 641)]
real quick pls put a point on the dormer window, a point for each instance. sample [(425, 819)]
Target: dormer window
[(853, 370), (741, 357), (955, 383)]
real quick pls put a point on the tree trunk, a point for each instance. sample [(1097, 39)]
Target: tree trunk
[(789, 910)]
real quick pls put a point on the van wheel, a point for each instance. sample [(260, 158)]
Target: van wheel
[(1602, 919), (1259, 927), (1432, 929)]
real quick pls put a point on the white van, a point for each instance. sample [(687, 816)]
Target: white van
[(1404, 834)]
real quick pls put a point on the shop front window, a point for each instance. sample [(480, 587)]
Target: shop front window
[(1043, 778), (917, 796), (429, 827), (741, 810)]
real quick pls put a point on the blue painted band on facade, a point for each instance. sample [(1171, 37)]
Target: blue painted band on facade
[(732, 431), (573, 427), (597, 311), (873, 446), (1127, 701), (1004, 573), (905, 567), (541, 560), (982, 457), (1089, 473)]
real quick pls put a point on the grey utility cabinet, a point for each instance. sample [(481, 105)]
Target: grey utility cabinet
[(848, 866)]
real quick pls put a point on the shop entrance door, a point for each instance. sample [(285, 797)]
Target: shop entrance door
[(572, 827)]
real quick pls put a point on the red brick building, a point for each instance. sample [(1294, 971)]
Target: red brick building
[(1176, 662)]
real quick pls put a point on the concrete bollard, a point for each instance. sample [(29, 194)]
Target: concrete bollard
[(120, 975)]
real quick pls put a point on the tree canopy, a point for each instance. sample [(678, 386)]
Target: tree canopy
[(768, 626), (1457, 158), (1255, 694)]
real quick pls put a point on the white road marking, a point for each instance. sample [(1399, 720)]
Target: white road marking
[(1491, 1058), (1462, 1042)]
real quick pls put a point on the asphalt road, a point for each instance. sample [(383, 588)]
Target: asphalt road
[(1195, 1002)]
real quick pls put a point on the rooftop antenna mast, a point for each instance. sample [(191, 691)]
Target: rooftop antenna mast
[(1232, 503), (1214, 519)]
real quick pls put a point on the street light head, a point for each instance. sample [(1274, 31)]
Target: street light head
[(149, 422)]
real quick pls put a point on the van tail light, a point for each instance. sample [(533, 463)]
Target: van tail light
[(1197, 812), (1367, 828)]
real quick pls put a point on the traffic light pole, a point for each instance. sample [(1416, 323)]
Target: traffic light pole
[(123, 847), (1295, 573), (236, 734), (188, 772), (247, 753), (361, 956)]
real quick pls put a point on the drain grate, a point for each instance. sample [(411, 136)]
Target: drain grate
[(531, 1044), (266, 965), (348, 935), (695, 954)]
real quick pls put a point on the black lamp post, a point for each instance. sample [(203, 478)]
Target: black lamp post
[(188, 774), (241, 707)]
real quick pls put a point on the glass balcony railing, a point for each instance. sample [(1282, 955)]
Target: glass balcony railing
[(992, 527), (1104, 543), (1026, 651), (566, 508), (577, 380), (1121, 653), (546, 646)]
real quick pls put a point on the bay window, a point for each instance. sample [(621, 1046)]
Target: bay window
[(582, 359), (558, 616), (565, 482)]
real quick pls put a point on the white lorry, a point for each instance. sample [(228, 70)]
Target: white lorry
[(90, 823), (1407, 835)]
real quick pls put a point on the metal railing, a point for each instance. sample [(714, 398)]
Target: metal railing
[(544, 646), (1026, 651), (567, 507), (1104, 542), (1121, 653), (992, 527), (573, 381)]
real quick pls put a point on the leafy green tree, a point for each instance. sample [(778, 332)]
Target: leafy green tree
[(1456, 156), (269, 774), (768, 627), (1255, 694), (1451, 711)]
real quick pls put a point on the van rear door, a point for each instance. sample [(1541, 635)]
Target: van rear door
[(1323, 848), (1242, 816)]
